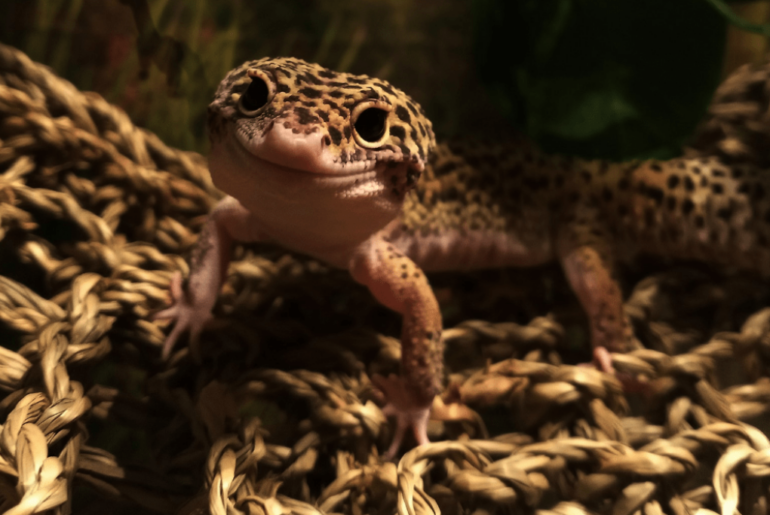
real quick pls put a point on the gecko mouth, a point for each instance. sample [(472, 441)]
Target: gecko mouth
[(302, 172), (236, 167)]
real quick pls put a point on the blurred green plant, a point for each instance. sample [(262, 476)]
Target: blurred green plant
[(601, 78)]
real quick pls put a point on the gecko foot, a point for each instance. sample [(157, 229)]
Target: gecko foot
[(408, 413), (187, 316), (603, 362)]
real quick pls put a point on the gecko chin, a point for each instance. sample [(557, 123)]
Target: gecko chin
[(316, 212)]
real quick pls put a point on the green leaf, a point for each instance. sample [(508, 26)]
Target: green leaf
[(601, 78)]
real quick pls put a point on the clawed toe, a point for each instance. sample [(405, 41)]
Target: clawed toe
[(603, 362), (186, 316), (406, 412)]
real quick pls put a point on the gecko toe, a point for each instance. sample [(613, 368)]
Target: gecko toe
[(405, 410)]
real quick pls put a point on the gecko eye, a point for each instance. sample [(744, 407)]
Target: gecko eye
[(371, 126), (256, 95)]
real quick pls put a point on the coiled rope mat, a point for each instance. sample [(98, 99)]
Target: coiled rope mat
[(273, 411)]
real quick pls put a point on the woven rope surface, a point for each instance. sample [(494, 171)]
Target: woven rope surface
[(273, 412)]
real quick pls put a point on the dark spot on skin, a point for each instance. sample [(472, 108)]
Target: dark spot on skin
[(687, 206), (403, 114), (714, 236), (412, 107), (649, 217), (536, 183), (310, 92), (304, 116), (699, 221), (671, 203), (607, 194), (737, 173), (759, 192), (762, 240), (416, 275), (282, 88), (308, 103), (386, 88), (336, 94), (655, 167), (336, 136), (371, 94), (744, 188), (586, 176), (725, 213), (681, 165), (717, 173), (327, 74), (291, 98), (655, 194), (696, 170), (323, 115), (688, 184), (404, 275), (673, 182), (312, 79), (422, 130), (346, 131), (623, 184), (398, 131), (704, 182), (718, 189)]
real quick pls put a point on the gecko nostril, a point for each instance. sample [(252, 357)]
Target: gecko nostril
[(326, 141)]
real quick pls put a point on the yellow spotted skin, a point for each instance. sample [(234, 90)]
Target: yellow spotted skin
[(309, 98), (587, 214)]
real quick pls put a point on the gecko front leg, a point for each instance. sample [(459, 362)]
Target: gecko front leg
[(228, 221), (398, 283)]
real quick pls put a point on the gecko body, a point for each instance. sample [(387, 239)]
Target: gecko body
[(346, 168)]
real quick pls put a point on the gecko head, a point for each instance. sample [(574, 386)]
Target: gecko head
[(358, 133)]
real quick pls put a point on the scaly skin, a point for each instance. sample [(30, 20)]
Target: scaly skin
[(298, 149)]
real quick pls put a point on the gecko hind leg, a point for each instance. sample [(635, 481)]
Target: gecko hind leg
[(590, 270)]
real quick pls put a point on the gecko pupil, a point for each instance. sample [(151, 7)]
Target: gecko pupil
[(255, 95), (370, 124)]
